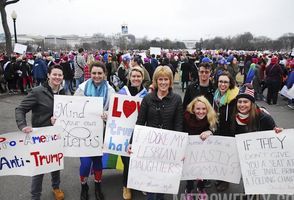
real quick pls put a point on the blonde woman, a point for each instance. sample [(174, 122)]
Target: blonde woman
[(199, 119), (161, 108), (87, 73)]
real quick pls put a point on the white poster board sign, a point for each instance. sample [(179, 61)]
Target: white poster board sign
[(156, 162), (80, 118), (155, 50), (191, 51), (267, 162), (20, 48), (215, 158), (39, 152), (121, 120)]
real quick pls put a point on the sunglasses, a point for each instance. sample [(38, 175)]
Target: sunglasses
[(204, 72)]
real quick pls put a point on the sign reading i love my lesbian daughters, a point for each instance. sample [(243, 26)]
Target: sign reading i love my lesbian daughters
[(122, 116)]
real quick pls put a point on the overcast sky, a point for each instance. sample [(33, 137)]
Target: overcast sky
[(173, 19)]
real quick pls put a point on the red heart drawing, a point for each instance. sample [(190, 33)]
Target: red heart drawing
[(129, 107)]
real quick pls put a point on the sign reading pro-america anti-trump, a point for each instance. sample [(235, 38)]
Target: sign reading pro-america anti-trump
[(39, 152)]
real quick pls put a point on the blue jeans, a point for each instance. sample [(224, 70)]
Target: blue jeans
[(155, 196), (36, 187), (68, 86), (79, 81)]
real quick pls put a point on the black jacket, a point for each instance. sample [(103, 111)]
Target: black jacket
[(194, 90), (40, 102), (264, 122), (225, 118), (166, 113)]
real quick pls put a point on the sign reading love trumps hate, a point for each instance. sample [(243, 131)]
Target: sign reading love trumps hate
[(215, 158), (267, 161), (156, 162), (80, 118), (39, 152), (122, 116)]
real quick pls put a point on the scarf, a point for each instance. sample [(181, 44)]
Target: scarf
[(242, 119), (193, 125), (226, 98), (97, 91), (220, 100)]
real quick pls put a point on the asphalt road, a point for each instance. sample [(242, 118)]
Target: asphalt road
[(18, 187)]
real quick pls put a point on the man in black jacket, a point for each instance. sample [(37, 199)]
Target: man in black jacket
[(201, 87)]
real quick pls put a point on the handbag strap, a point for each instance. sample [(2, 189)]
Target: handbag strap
[(78, 63)]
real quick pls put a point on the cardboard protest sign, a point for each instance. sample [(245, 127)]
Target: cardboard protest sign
[(267, 161), (121, 120), (20, 48), (155, 50), (215, 158), (156, 162), (80, 118), (31, 154)]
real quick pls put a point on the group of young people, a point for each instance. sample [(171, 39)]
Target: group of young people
[(224, 110)]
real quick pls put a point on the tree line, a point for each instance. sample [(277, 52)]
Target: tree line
[(247, 41)]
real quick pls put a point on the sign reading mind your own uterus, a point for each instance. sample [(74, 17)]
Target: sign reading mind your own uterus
[(82, 125)]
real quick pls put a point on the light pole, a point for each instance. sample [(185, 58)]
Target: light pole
[(14, 16)]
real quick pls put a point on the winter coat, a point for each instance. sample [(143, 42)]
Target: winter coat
[(274, 73), (225, 113), (39, 69), (68, 72), (264, 123), (185, 68), (194, 90), (40, 102), (166, 113), (81, 89), (193, 126), (79, 64)]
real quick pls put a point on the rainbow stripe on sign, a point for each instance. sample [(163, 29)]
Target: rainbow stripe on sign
[(110, 161)]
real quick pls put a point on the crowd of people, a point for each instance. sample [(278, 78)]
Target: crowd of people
[(221, 90)]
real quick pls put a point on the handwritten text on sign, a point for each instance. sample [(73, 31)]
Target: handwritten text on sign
[(80, 118), (31, 154), (267, 162), (156, 163), (122, 116), (215, 158)]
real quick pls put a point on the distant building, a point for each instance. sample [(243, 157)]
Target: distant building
[(190, 44), (124, 29), (55, 42), (72, 40)]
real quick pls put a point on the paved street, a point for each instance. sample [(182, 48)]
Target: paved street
[(18, 187)]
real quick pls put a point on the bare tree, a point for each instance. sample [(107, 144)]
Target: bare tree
[(3, 4)]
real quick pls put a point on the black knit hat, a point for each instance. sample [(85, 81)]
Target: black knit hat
[(246, 91)]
